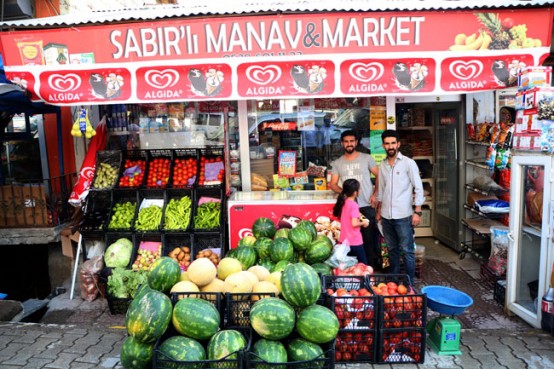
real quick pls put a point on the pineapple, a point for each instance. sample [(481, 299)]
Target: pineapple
[(500, 38)]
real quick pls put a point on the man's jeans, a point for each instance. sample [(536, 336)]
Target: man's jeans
[(399, 235)]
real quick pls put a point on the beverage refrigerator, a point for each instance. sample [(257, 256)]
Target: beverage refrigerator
[(531, 253)]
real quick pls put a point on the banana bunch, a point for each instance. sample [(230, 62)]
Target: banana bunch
[(479, 40), (82, 126)]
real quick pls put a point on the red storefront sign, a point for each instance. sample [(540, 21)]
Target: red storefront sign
[(280, 56)]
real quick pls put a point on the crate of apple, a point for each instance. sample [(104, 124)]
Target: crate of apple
[(158, 172), (212, 171), (133, 173), (184, 172)]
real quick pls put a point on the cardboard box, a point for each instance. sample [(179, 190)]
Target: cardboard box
[(67, 237), (531, 77)]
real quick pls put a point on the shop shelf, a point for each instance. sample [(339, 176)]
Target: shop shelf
[(401, 345), (111, 158), (96, 209), (182, 222), (119, 198), (185, 155), (156, 154), (237, 308), (178, 240), (139, 157)]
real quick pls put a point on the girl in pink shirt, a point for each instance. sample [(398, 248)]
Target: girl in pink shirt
[(348, 211)]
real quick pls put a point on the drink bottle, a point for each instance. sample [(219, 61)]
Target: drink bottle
[(546, 310)]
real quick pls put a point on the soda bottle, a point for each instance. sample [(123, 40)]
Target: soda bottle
[(546, 310)]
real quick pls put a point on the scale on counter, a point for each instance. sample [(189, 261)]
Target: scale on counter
[(444, 330)]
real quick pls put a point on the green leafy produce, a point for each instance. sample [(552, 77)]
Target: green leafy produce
[(149, 218), (123, 283), (118, 254), (177, 213), (122, 216), (207, 215)]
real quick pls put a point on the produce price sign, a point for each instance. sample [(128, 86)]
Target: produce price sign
[(287, 163)]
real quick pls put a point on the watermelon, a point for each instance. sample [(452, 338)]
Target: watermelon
[(318, 252), (324, 239), (267, 263), (247, 241), (262, 246), (322, 268), (135, 354), (282, 232), (182, 349), (300, 349), (164, 273), (272, 318), (300, 284), (280, 266), (148, 317), (231, 253), (300, 238), (317, 324), (263, 227), (309, 226), (196, 318), (281, 249), (246, 255), (226, 345), (141, 290), (271, 352)]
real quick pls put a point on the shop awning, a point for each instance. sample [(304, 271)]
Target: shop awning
[(285, 55)]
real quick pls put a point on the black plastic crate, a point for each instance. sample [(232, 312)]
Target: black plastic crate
[(211, 157), (96, 213), (162, 179), (184, 159), (237, 308), (176, 245), (147, 198), (401, 345), (500, 291), (111, 158), (347, 282), (145, 237), (179, 220), (207, 241), (118, 306), (133, 158), (111, 237), (356, 346), (119, 198), (217, 223)]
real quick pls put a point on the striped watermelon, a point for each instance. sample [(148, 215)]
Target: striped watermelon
[(164, 273), (324, 239), (263, 227), (262, 246), (196, 318), (322, 268), (281, 249), (267, 263), (182, 349), (272, 318), (318, 252), (300, 238), (148, 317), (300, 349), (226, 345), (309, 226), (282, 232), (280, 266), (317, 324), (247, 241), (135, 354), (246, 255), (301, 285), (271, 352)]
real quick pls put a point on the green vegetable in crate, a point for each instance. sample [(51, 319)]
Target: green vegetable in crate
[(118, 254), (300, 349), (317, 324), (196, 318), (123, 283), (271, 352), (148, 316), (207, 215), (281, 249), (301, 285), (246, 255), (135, 354), (177, 213), (164, 273), (272, 318), (106, 176), (263, 227), (123, 215), (149, 218), (301, 238), (225, 345), (179, 348)]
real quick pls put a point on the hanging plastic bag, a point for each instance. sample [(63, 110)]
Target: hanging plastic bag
[(339, 258), (88, 275)]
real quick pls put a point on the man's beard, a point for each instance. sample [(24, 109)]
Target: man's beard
[(391, 153), (349, 149)]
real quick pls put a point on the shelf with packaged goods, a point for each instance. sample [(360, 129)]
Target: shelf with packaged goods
[(480, 213)]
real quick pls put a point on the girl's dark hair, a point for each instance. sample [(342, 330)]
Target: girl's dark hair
[(348, 188)]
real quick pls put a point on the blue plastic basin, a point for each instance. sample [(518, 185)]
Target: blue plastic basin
[(446, 300)]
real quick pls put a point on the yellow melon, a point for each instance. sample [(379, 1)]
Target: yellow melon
[(238, 283), (275, 278), (184, 276), (201, 271), (184, 287), (260, 271), (228, 266), (264, 289)]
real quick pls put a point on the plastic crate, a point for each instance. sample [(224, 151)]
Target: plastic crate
[(182, 222), (205, 156), (111, 158), (147, 198), (97, 209), (145, 237), (163, 181), (500, 291), (401, 345), (188, 155), (207, 240), (237, 308), (171, 241), (356, 346), (118, 306), (133, 158), (200, 196), (162, 361), (120, 197)]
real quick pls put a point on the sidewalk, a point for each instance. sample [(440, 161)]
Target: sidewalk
[(78, 334)]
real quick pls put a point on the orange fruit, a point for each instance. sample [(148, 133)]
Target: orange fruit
[(402, 290)]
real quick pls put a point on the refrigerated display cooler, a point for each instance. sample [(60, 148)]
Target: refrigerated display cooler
[(245, 207), (531, 253)]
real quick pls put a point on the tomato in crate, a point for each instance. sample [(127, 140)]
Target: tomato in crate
[(133, 169), (158, 169), (185, 168)]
